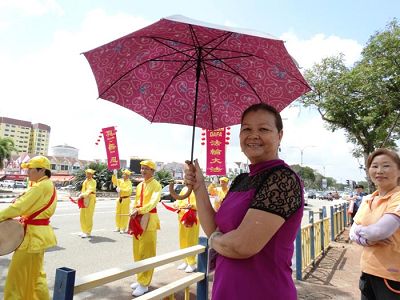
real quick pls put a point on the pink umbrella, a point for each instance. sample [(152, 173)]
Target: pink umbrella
[(183, 71)]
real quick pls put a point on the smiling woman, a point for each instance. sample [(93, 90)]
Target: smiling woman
[(254, 230), (377, 227)]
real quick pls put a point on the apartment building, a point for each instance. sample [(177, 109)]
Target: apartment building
[(28, 137)]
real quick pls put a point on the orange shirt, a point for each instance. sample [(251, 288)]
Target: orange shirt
[(381, 260)]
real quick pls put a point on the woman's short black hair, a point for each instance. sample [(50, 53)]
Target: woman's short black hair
[(266, 107)]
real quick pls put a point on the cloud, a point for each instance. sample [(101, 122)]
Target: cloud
[(307, 52)]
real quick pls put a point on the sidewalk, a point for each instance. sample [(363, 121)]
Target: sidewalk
[(336, 275)]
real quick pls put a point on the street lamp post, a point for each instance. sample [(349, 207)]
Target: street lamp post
[(302, 152)]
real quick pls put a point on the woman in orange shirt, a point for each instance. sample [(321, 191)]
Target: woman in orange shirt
[(377, 228)]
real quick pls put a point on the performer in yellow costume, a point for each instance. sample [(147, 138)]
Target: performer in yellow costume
[(148, 194), (221, 192), (26, 278), (88, 192), (124, 190), (212, 189), (189, 233)]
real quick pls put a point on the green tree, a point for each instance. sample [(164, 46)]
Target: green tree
[(102, 176), (163, 176), (363, 100), (7, 147), (307, 174)]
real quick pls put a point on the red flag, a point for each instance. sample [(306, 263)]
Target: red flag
[(110, 140)]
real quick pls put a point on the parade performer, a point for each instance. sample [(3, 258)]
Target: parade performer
[(26, 278), (188, 231), (221, 192), (124, 190), (212, 189), (148, 194), (88, 191)]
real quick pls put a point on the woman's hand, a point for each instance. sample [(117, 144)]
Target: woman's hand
[(193, 175)]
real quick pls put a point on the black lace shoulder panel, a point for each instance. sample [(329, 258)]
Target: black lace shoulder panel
[(241, 183), (278, 192)]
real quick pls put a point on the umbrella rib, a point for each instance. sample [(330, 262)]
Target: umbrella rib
[(179, 72), (194, 37), (259, 57), (237, 73), (233, 71), (204, 70), (176, 50), (147, 61)]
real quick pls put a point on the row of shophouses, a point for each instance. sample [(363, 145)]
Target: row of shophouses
[(64, 168)]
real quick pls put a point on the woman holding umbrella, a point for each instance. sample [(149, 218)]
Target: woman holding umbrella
[(254, 231)]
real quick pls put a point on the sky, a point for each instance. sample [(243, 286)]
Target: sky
[(45, 79)]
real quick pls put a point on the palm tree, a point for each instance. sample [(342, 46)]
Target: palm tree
[(7, 146), (163, 176)]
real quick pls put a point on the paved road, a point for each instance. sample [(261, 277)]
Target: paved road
[(106, 249)]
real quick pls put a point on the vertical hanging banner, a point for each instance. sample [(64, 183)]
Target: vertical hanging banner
[(215, 152), (110, 140)]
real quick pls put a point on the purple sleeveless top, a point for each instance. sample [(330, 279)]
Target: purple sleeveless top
[(268, 274)]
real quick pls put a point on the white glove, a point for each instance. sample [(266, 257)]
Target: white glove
[(80, 196), (118, 189), (115, 172)]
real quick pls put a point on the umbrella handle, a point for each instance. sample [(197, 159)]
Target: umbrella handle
[(175, 195)]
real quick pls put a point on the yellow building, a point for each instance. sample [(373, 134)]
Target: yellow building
[(28, 137)]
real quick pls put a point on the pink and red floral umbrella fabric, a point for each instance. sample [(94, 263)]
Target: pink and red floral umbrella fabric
[(152, 72)]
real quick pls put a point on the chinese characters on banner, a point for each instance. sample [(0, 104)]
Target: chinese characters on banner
[(215, 152), (110, 140)]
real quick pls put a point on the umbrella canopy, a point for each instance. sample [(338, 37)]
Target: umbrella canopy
[(183, 71)]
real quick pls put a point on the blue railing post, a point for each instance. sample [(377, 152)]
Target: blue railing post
[(342, 223), (345, 214), (332, 223), (337, 227), (321, 225), (202, 260), (299, 264), (64, 284), (312, 233)]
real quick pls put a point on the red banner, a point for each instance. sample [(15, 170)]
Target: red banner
[(110, 140), (215, 152)]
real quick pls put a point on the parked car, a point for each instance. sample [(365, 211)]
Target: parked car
[(310, 194), (20, 185), (165, 194), (7, 184)]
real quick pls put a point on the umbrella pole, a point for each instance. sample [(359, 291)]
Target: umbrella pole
[(198, 72)]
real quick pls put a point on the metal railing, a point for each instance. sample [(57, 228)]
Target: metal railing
[(313, 239), (311, 243), (66, 286)]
